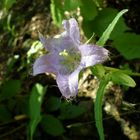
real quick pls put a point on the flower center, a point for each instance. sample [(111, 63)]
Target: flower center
[(71, 59)]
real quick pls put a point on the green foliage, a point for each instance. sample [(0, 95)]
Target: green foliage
[(99, 3), (98, 106), (57, 12), (52, 125), (101, 22), (53, 104), (5, 114), (9, 89), (98, 70), (35, 103), (97, 21), (18, 52), (7, 4), (116, 77), (128, 44), (69, 111), (106, 34), (70, 5), (10, 63), (123, 79), (34, 49), (87, 27), (88, 9)]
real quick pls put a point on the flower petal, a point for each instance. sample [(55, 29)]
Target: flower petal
[(56, 45), (72, 29), (92, 55), (68, 84), (42, 65), (42, 39)]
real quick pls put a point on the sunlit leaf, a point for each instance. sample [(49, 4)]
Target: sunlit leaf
[(122, 78), (35, 103), (98, 70), (106, 34), (52, 125), (11, 61), (56, 11), (8, 4), (100, 23)]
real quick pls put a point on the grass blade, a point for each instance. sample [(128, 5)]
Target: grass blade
[(98, 108), (106, 34)]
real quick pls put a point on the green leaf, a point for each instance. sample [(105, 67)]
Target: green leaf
[(88, 9), (70, 5), (52, 125), (101, 22), (99, 3), (11, 61), (98, 107), (128, 44), (87, 27), (68, 111), (122, 78), (57, 12), (8, 4), (98, 70), (106, 34), (10, 89), (53, 104), (35, 103)]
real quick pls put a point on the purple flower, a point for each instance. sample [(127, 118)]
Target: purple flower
[(66, 57)]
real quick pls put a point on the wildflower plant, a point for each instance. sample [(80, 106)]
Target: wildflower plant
[(67, 56)]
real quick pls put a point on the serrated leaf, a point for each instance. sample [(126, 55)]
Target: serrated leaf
[(128, 44), (88, 9), (68, 111), (10, 89), (106, 34), (123, 79), (52, 125), (35, 103)]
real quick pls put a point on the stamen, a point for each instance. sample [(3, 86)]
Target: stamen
[(64, 53), (70, 59)]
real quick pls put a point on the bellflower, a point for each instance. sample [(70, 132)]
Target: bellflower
[(66, 57)]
